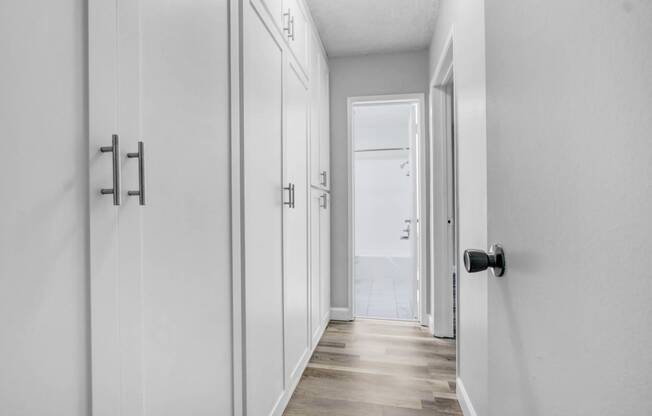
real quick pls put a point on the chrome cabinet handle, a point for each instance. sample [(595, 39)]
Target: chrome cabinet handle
[(141, 173), (324, 178), (292, 24), (287, 15), (324, 201), (290, 189), (115, 149), (406, 236)]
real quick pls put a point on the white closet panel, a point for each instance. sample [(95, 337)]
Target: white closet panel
[(297, 341), (295, 21), (316, 300), (262, 112), (315, 111), (185, 246), (324, 129), (160, 273), (325, 256)]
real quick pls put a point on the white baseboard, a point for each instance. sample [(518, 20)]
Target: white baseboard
[(463, 398), (341, 314)]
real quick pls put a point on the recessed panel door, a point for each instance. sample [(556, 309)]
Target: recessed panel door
[(295, 224), (263, 213)]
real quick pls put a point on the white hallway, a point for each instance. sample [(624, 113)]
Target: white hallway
[(176, 220)]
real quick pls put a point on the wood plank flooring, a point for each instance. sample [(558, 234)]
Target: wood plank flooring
[(377, 368)]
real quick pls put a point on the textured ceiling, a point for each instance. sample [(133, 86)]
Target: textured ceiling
[(359, 27)]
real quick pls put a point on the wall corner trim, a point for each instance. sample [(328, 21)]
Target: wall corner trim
[(341, 314), (465, 401)]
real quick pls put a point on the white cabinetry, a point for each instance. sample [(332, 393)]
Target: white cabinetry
[(319, 119), (262, 137), (295, 224), (160, 293), (296, 30), (325, 256), (279, 294), (167, 338), (319, 263)]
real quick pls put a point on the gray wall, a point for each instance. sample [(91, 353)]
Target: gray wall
[(44, 329), (395, 73), (467, 19)]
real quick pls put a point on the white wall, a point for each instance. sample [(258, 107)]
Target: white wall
[(466, 18), (569, 134), (383, 191), (396, 73), (44, 328), (383, 201)]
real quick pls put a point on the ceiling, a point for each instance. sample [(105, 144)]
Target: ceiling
[(360, 27)]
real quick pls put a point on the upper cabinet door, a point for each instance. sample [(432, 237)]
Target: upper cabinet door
[(324, 126), (315, 112), (295, 29)]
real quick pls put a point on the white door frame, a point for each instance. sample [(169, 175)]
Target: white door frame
[(443, 301), (419, 99)]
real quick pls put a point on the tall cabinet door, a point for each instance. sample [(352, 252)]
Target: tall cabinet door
[(262, 95), (325, 256), (160, 285), (185, 248), (315, 111), (115, 277), (324, 129), (315, 267), (295, 223)]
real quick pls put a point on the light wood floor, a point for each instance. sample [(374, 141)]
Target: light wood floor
[(377, 368)]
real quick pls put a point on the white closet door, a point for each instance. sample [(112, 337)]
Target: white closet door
[(115, 278), (185, 238), (295, 224), (325, 256), (160, 274), (315, 112), (315, 267), (263, 212), (324, 136)]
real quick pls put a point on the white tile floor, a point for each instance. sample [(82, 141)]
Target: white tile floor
[(385, 288)]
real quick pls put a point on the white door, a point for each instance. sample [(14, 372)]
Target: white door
[(569, 162), (316, 113), (325, 256), (263, 212), (324, 124), (295, 222), (315, 266), (160, 273)]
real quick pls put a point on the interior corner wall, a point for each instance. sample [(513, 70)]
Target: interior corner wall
[(377, 74), (464, 20)]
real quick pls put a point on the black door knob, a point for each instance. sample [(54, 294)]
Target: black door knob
[(479, 260)]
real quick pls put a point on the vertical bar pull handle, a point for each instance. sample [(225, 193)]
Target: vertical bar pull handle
[(324, 200), (292, 26), (290, 189), (289, 17), (115, 149), (324, 178), (293, 197), (141, 173)]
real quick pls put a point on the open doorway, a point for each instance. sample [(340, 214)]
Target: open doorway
[(444, 214), (386, 177)]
